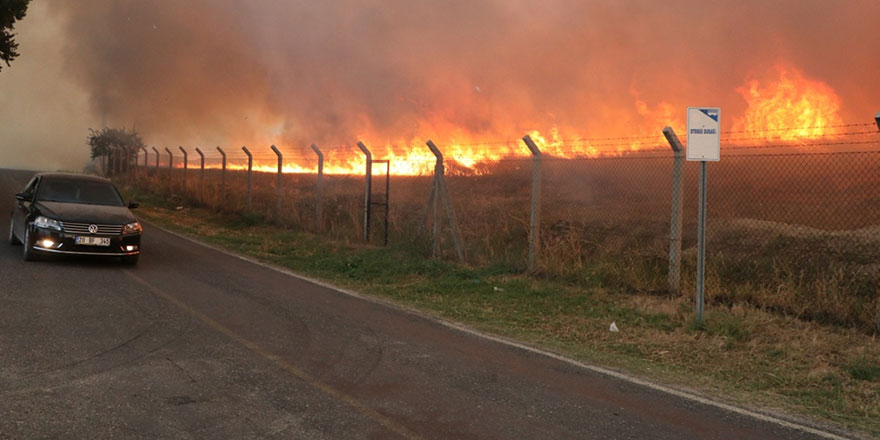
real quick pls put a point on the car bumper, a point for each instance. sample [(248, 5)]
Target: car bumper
[(65, 243)]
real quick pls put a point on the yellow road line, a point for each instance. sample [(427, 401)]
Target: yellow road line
[(301, 374)]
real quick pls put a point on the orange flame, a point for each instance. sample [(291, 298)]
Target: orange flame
[(790, 108)]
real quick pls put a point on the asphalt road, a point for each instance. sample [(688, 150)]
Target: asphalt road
[(194, 343)]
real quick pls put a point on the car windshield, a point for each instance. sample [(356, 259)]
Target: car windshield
[(79, 191)]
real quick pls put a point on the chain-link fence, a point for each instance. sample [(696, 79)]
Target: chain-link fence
[(792, 227)]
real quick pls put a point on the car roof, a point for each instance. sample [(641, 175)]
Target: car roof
[(72, 176)]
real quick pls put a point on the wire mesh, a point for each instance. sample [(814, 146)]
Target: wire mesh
[(793, 226)]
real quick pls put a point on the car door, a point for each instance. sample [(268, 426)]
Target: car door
[(22, 208)]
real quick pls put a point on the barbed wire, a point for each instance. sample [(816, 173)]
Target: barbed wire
[(853, 133), (643, 154), (516, 146), (797, 145), (769, 130), (808, 153)]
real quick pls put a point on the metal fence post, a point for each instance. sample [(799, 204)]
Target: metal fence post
[(368, 189), (319, 187), (278, 186), (170, 169), (222, 174), (701, 244), (146, 153), (535, 218), (201, 176), (249, 175), (877, 119), (185, 162), (674, 274)]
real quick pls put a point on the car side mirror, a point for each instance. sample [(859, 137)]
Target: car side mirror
[(133, 205)]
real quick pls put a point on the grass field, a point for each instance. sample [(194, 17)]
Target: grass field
[(793, 233)]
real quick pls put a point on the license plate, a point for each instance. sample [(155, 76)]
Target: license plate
[(92, 241)]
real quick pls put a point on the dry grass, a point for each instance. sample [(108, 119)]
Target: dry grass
[(795, 236)]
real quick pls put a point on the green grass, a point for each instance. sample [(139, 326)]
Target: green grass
[(741, 354), (864, 369)]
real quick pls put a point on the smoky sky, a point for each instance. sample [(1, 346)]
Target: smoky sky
[(230, 71)]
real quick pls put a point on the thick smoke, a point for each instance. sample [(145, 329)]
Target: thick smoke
[(296, 72)]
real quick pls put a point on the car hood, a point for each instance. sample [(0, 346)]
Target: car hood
[(77, 212)]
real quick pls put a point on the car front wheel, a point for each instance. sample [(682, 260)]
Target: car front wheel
[(28, 253), (12, 239), (130, 260)]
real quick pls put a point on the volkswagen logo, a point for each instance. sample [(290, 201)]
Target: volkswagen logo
[(93, 229)]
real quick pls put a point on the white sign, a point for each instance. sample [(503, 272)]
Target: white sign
[(704, 134)]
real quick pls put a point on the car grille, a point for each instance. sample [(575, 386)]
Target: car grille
[(83, 228)]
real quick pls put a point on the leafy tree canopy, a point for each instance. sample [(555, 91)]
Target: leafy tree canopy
[(106, 140), (10, 12)]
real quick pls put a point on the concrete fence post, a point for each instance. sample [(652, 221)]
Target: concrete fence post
[(535, 217), (126, 161), (368, 189), (201, 176), (170, 169), (249, 175), (440, 193), (319, 188), (222, 174), (130, 165), (157, 161), (131, 160), (117, 161), (674, 274), (185, 166), (143, 172), (278, 185), (432, 205), (120, 151)]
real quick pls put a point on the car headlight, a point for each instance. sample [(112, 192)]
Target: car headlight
[(47, 223), (132, 228)]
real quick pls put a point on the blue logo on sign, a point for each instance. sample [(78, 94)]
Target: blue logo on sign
[(711, 113)]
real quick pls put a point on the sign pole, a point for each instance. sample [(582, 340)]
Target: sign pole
[(704, 144), (701, 244)]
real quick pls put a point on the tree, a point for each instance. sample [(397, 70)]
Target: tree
[(10, 12), (108, 140), (118, 146)]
